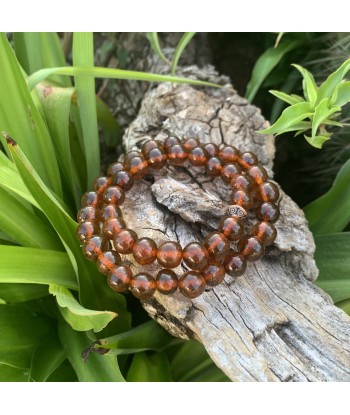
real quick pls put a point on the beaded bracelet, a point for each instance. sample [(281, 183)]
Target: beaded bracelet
[(105, 235)]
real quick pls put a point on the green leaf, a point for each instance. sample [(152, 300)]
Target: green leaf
[(342, 94), (20, 118), (9, 373), (146, 367), (264, 65), (322, 111), (290, 117), (331, 212), (289, 99), (19, 293), (317, 141), (309, 84), (328, 87), (35, 266), (344, 305), (97, 368), (109, 125), (333, 261), (64, 373), (184, 41), (80, 318), (83, 55), (154, 42)]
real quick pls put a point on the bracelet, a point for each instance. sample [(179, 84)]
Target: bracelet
[(104, 234)]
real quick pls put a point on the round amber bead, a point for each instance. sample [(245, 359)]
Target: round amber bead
[(169, 142), (217, 246), (242, 198), (156, 158), (94, 247), (138, 167), (123, 179), (269, 192), (214, 166), (114, 195), (212, 149), (213, 274), (89, 199), (124, 241), (242, 182), (268, 212), (235, 264), (101, 183), (247, 160), (192, 284), (107, 260), (169, 254), (229, 172), (198, 156), (109, 212), (149, 145), (86, 214), (195, 256), (85, 231), (143, 286), (119, 278), (166, 281), (112, 226), (265, 231), (231, 227), (228, 154), (131, 154), (144, 251), (115, 168), (190, 143), (251, 248), (177, 154), (258, 174)]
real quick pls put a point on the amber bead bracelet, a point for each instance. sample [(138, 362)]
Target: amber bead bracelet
[(104, 234)]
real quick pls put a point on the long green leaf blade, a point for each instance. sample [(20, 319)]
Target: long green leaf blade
[(328, 87), (184, 41), (309, 84), (343, 94), (154, 42)]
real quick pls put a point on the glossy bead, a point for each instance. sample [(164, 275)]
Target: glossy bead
[(268, 212), (228, 154), (190, 143), (169, 142), (109, 212), (85, 231), (242, 198), (144, 251), (112, 226), (235, 264), (217, 246), (123, 179), (89, 199), (124, 241), (212, 149), (177, 154), (229, 172), (119, 278), (138, 167), (214, 166), (156, 158), (115, 168), (231, 227), (114, 195), (169, 254), (148, 145), (143, 286), (86, 214), (107, 260), (166, 281), (251, 248), (101, 183), (213, 274), (269, 192), (131, 154), (195, 256), (247, 159), (192, 284), (258, 174), (94, 247), (242, 182), (198, 156), (265, 231)]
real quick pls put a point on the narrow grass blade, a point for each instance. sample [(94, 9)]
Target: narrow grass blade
[(154, 42), (149, 367), (184, 41)]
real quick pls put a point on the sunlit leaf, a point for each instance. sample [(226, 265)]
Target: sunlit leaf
[(317, 141), (184, 41), (322, 111), (309, 84), (342, 94), (328, 87), (289, 99)]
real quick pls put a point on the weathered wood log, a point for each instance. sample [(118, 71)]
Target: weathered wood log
[(273, 323)]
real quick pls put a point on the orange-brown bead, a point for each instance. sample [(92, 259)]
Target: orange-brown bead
[(242, 182), (169, 142), (228, 154), (143, 286), (94, 247), (109, 212), (214, 166), (86, 214), (132, 153), (119, 278), (169, 254), (114, 195), (242, 198), (144, 251), (115, 168), (247, 159), (89, 199), (192, 284), (258, 174), (231, 227), (268, 212), (149, 145), (235, 264), (166, 281), (229, 172), (213, 274), (107, 260), (123, 179), (156, 158), (195, 256), (198, 156), (112, 226), (101, 183), (124, 241), (138, 167), (85, 231), (251, 248), (217, 246), (190, 143), (177, 154), (265, 231), (212, 149), (269, 192)]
